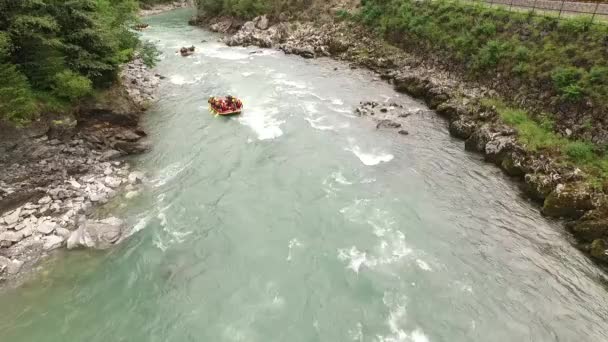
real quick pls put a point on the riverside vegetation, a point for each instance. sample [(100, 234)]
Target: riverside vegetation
[(54, 53), (527, 91), (74, 80)]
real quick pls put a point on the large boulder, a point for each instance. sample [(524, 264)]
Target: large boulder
[(539, 185), (96, 234), (599, 249), (479, 139), (569, 201), (262, 23), (498, 148), (512, 164), (221, 26), (9, 267), (593, 225)]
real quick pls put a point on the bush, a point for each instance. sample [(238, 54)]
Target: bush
[(580, 152), (16, 99), (71, 86), (150, 54), (490, 54), (567, 81)]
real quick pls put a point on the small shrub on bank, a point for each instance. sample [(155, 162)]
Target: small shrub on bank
[(580, 152), (150, 54), (71, 86)]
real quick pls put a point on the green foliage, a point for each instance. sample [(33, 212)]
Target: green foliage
[(248, 9), (565, 59), (580, 152), (150, 54), (71, 86), (60, 48), (342, 14), (538, 135), (241, 8), (567, 81), (16, 98), (490, 54)]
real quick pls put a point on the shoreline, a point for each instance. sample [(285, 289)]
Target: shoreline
[(561, 190), (56, 172), (161, 8)]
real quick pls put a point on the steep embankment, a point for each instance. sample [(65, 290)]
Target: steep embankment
[(466, 62), (71, 96)]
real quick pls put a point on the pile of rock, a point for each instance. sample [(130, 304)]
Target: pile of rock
[(258, 33), (56, 173), (47, 222), (160, 8), (388, 115), (139, 82)]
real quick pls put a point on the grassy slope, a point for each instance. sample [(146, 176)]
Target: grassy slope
[(557, 69)]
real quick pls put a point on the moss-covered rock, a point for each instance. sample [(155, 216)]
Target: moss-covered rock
[(599, 250), (569, 201), (512, 165), (462, 128), (593, 225), (538, 185)]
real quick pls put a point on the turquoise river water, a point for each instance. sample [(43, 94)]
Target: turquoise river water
[(300, 222)]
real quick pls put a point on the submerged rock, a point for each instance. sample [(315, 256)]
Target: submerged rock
[(96, 234)]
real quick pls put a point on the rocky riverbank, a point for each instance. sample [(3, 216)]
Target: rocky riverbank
[(563, 190), (55, 172), (160, 8)]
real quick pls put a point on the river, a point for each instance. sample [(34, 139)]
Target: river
[(301, 222)]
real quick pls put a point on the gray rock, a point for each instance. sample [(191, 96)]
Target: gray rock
[(9, 238), (108, 171), (96, 234), (65, 233), (131, 194), (98, 197), (13, 217), (10, 266), (75, 184), (52, 242), (262, 23), (110, 155), (31, 221), (135, 177), (112, 182), (46, 227)]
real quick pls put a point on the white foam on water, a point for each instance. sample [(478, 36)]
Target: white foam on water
[(263, 122), (314, 124), (288, 83), (355, 211), (357, 335), (396, 318), (221, 52), (179, 80), (163, 219), (339, 177), (392, 246), (355, 258), (337, 102), (423, 265), (292, 244), (370, 158), (247, 74), (311, 107), (159, 244), (169, 173)]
